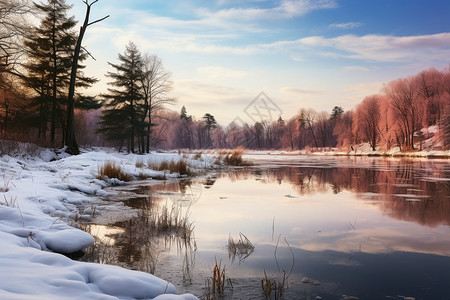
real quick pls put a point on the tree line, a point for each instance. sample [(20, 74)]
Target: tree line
[(406, 112), (41, 102)]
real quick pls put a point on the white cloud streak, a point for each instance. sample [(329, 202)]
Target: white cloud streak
[(349, 25), (286, 9)]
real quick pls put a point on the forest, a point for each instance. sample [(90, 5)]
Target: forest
[(38, 44)]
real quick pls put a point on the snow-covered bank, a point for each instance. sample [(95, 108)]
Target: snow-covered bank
[(359, 151), (40, 198)]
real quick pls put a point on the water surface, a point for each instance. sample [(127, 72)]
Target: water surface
[(336, 228)]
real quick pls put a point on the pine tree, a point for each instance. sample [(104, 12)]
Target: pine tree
[(123, 118), (50, 46), (50, 51)]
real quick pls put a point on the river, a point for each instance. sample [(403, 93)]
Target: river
[(308, 227)]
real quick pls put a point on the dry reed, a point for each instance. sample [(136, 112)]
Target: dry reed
[(113, 170), (234, 158)]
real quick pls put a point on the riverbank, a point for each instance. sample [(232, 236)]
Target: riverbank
[(43, 197), (364, 151)]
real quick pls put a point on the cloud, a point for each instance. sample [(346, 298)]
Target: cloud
[(384, 48), (218, 72), (298, 91), (286, 9), (356, 68), (349, 25)]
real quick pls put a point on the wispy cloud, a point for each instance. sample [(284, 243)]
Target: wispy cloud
[(349, 25), (217, 72), (356, 68), (286, 9), (384, 48), (300, 91)]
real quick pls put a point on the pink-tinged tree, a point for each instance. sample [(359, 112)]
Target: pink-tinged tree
[(235, 136), (367, 119), (446, 127), (219, 138), (405, 104), (343, 130), (385, 124), (431, 92), (290, 133)]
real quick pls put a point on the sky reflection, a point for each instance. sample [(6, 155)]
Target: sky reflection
[(360, 226)]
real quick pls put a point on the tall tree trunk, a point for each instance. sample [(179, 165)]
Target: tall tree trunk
[(149, 131), (71, 140), (54, 61)]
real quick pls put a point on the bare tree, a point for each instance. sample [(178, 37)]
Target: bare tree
[(404, 96), (71, 140), (13, 26), (156, 85), (307, 118), (366, 120)]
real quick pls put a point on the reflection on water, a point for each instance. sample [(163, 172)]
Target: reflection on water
[(369, 228)]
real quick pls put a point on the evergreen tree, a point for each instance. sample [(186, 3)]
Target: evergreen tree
[(183, 114), (50, 49), (210, 122), (49, 46), (123, 118)]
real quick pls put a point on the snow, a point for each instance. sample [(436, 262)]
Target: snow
[(41, 196)]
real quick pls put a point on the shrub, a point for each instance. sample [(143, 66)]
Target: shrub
[(140, 164), (180, 167), (112, 170), (198, 155), (164, 165), (235, 158)]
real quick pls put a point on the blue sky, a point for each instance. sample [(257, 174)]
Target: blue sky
[(300, 53)]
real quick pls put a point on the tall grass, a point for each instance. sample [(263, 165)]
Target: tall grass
[(113, 170), (274, 286), (234, 158), (143, 238), (241, 248), (181, 166), (6, 182), (215, 286)]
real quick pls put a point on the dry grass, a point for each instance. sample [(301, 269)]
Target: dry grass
[(113, 170), (12, 202), (140, 164), (234, 158), (180, 166), (272, 287), (215, 286), (198, 155), (12, 147), (242, 248), (6, 182), (139, 241)]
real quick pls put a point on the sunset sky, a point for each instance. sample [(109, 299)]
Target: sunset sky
[(305, 53)]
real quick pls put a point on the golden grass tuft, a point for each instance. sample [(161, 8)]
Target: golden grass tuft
[(180, 166), (113, 170), (140, 164), (234, 158), (215, 286)]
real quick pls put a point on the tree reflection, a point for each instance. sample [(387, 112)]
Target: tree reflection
[(144, 238), (408, 190)]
